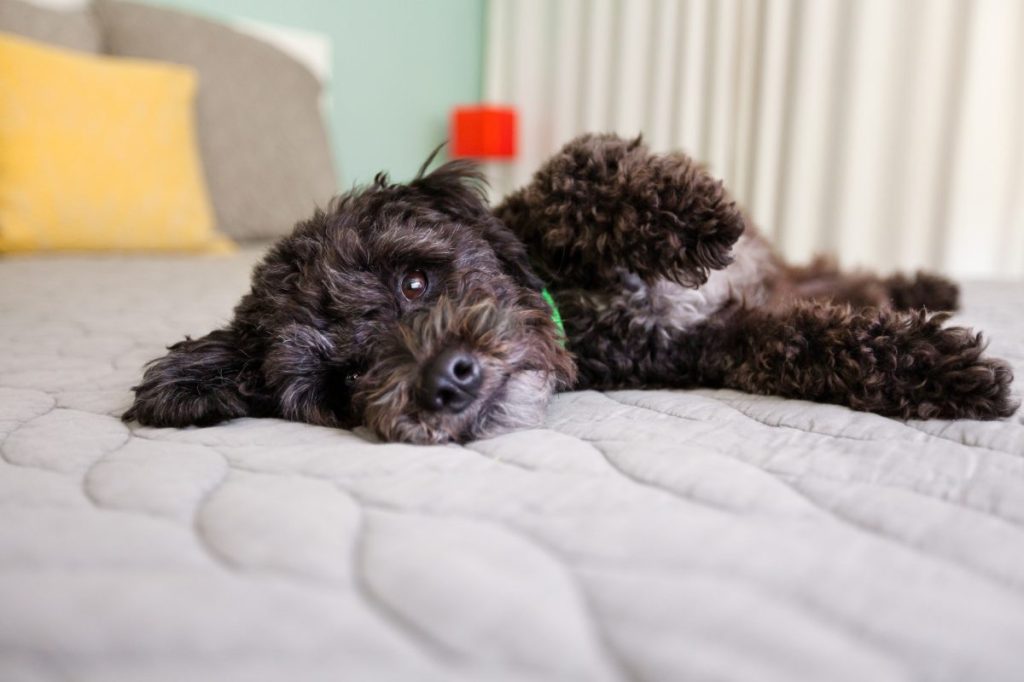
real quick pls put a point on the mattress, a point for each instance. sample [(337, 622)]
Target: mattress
[(639, 535)]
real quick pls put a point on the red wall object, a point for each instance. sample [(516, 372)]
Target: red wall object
[(484, 132)]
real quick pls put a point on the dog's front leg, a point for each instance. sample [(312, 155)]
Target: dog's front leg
[(603, 205), (901, 364)]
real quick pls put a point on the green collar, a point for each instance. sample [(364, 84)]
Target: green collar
[(556, 316)]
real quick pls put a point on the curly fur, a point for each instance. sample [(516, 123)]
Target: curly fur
[(900, 364), (621, 233), (661, 281), (604, 204), (323, 336), (513, 344)]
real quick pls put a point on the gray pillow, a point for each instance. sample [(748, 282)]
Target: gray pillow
[(262, 137), (72, 28)]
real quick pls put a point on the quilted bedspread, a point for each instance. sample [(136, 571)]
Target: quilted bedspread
[(640, 535)]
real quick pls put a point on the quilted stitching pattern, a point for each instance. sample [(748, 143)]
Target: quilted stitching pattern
[(640, 535)]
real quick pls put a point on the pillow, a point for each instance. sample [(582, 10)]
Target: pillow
[(263, 142), (98, 153), (74, 28)]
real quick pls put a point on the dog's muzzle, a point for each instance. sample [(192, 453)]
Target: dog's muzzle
[(450, 382)]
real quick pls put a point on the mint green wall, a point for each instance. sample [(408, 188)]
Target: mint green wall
[(399, 67)]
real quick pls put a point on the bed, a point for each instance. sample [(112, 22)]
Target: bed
[(640, 535)]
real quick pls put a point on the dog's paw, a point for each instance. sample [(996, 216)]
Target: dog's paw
[(925, 290), (978, 391), (954, 380)]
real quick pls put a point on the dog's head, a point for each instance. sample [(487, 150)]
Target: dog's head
[(406, 307)]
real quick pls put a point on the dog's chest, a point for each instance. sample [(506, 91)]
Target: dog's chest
[(744, 281)]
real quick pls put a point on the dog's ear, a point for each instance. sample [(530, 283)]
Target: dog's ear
[(512, 254), (458, 188), (200, 382)]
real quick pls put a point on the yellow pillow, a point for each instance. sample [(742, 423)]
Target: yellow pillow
[(99, 153)]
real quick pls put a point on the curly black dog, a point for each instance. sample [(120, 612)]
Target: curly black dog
[(417, 310)]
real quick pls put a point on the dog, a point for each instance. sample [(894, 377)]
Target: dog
[(420, 312)]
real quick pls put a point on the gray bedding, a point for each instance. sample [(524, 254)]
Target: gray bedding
[(660, 535)]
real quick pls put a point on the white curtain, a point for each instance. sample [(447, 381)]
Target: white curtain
[(888, 132)]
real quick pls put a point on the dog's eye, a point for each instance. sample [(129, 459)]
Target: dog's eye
[(414, 284), (351, 378)]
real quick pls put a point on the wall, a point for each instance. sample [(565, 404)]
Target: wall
[(398, 68)]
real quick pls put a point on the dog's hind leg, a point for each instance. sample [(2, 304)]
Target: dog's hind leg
[(901, 364), (822, 280)]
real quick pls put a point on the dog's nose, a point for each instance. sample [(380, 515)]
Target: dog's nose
[(451, 382)]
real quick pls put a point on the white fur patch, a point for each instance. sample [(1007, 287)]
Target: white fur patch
[(682, 307)]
